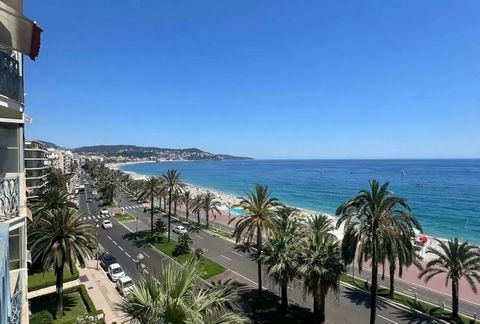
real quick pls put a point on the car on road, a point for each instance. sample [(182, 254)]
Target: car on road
[(179, 229), (107, 224), (124, 285), (94, 192), (115, 272), (104, 211), (89, 199), (106, 259)]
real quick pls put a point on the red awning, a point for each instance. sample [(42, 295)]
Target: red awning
[(17, 32)]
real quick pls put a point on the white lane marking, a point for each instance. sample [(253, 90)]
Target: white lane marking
[(120, 248), (237, 253), (146, 254), (199, 237), (225, 257), (128, 255), (109, 237), (114, 242), (387, 319)]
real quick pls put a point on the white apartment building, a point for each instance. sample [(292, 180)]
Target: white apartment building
[(36, 165), (19, 35)]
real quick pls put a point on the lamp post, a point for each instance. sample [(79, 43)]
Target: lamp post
[(98, 243)]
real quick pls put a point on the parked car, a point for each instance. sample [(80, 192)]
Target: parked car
[(124, 285), (106, 259), (179, 229), (94, 192), (104, 211), (115, 272), (107, 224), (89, 199)]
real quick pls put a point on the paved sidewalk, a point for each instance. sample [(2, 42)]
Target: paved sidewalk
[(101, 290), (51, 289)]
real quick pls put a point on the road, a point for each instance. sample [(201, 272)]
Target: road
[(350, 307)]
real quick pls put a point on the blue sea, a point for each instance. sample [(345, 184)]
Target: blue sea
[(444, 194)]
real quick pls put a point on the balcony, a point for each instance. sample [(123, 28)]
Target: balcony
[(10, 79), (9, 197)]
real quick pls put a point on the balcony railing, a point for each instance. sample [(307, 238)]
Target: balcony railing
[(10, 80), (9, 196)]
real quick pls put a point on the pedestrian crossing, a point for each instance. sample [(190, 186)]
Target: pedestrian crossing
[(132, 207), (95, 217)]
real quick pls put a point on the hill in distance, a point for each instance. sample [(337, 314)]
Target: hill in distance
[(133, 151)]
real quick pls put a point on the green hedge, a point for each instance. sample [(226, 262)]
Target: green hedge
[(426, 308), (47, 303), (208, 268), (37, 279)]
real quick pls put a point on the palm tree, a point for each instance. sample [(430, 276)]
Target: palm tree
[(197, 206), (51, 199), (108, 185), (176, 197), (60, 239), (173, 182), (456, 260), (56, 178), (320, 263), (279, 254), (374, 216), (210, 204), (150, 189), (348, 248), (187, 199), (398, 249), (176, 297), (258, 221)]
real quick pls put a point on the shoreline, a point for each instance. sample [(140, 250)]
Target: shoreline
[(232, 199)]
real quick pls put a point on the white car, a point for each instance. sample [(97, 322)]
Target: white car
[(180, 229), (124, 285), (94, 192), (115, 272), (104, 211), (107, 224)]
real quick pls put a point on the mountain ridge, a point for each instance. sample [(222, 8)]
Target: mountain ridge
[(151, 152)]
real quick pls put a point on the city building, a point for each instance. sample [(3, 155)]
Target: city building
[(36, 164), (19, 35)]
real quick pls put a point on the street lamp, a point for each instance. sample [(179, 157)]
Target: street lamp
[(98, 243)]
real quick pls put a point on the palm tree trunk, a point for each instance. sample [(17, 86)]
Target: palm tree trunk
[(198, 218), (175, 207), (455, 299), (151, 214), (259, 263), (317, 309), (392, 278), (186, 209), (206, 215), (373, 288), (169, 212), (59, 286), (284, 293), (319, 306)]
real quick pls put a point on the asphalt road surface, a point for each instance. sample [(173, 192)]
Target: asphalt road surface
[(351, 306)]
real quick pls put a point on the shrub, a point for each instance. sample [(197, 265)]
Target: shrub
[(43, 317), (183, 245)]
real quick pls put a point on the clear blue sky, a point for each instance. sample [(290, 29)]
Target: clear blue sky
[(268, 79)]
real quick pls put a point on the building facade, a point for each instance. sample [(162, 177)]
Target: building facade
[(36, 165), (13, 209), (19, 35)]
